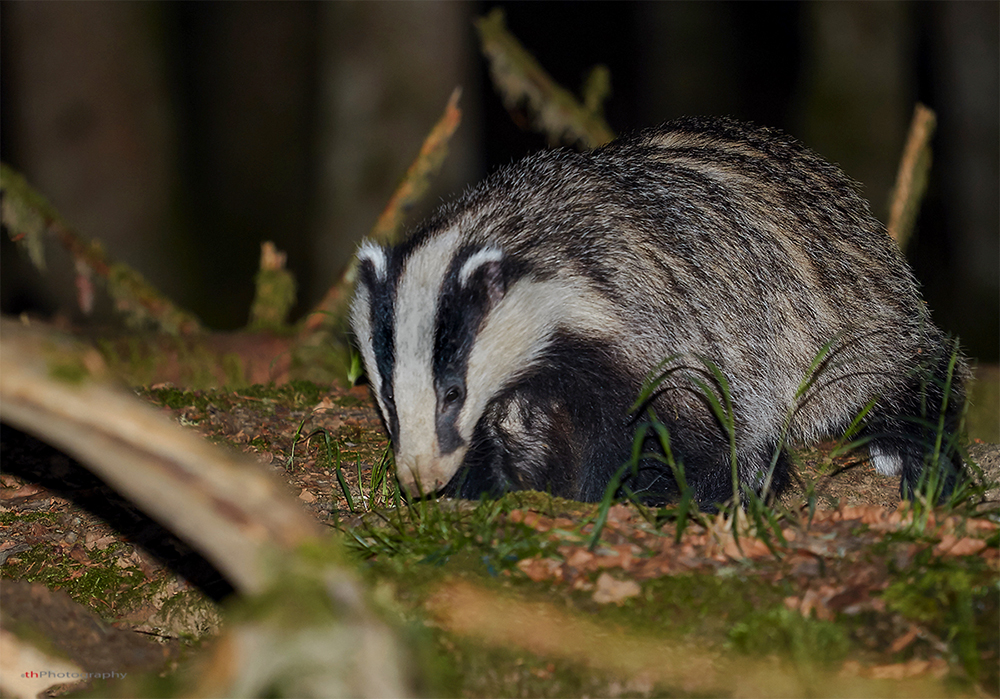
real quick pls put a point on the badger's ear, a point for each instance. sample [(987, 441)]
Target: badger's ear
[(494, 282), (372, 264), (485, 269)]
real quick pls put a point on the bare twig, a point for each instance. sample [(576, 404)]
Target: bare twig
[(418, 177), (911, 179), (522, 80), (28, 217), (413, 186)]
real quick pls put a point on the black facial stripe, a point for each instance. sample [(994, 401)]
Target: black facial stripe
[(381, 306), (462, 308)]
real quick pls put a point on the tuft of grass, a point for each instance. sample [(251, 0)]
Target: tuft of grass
[(428, 530), (808, 641), (754, 507), (745, 505), (333, 455), (433, 531), (939, 486), (382, 488), (681, 513)]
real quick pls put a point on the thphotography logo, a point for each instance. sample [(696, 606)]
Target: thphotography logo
[(74, 676)]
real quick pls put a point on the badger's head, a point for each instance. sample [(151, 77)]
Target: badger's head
[(444, 325)]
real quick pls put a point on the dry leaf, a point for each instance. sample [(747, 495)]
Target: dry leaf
[(611, 590), (539, 569), (951, 545), (306, 496)]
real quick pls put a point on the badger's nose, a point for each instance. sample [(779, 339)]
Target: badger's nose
[(418, 475)]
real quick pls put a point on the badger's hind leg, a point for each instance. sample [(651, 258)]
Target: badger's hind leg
[(915, 436), (703, 458), (907, 455), (763, 472), (908, 451)]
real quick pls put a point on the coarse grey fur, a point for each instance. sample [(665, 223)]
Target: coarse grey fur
[(506, 340)]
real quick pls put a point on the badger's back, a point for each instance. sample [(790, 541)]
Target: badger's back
[(546, 295)]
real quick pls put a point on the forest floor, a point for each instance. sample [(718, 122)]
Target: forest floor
[(841, 594)]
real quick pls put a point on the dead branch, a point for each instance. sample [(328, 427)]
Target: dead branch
[(28, 217), (521, 80), (412, 188), (275, 291), (912, 176), (223, 504), (228, 508)]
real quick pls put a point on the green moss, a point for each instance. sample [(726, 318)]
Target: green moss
[(68, 369), (190, 614), (26, 213), (175, 398), (101, 585), (294, 394), (297, 395), (956, 598), (782, 631), (10, 518), (984, 404)]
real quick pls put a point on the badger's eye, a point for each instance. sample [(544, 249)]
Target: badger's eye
[(451, 396)]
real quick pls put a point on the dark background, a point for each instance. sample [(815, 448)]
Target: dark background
[(183, 134)]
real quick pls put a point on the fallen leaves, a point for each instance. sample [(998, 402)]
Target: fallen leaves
[(550, 631), (630, 544), (827, 559), (951, 545)]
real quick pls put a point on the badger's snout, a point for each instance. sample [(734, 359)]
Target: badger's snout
[(424, 474)]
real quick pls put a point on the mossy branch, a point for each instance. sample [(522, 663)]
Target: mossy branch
[(226, 506), (912, 176), (297, 591), (414, 185), (28, 217), (521, 80)]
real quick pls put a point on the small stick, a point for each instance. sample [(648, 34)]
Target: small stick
[(414, 185), (912, 176)]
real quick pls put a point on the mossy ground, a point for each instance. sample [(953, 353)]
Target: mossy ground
[(508, 598), (712, 610)]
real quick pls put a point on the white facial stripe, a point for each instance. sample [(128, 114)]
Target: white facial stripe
[(413, 380), (477, 260), (520, 328), (376, 255), (362, 326)]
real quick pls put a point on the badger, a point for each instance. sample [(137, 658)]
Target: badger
[(507, 339)]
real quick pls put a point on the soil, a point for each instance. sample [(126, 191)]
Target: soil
[(113, 591)]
